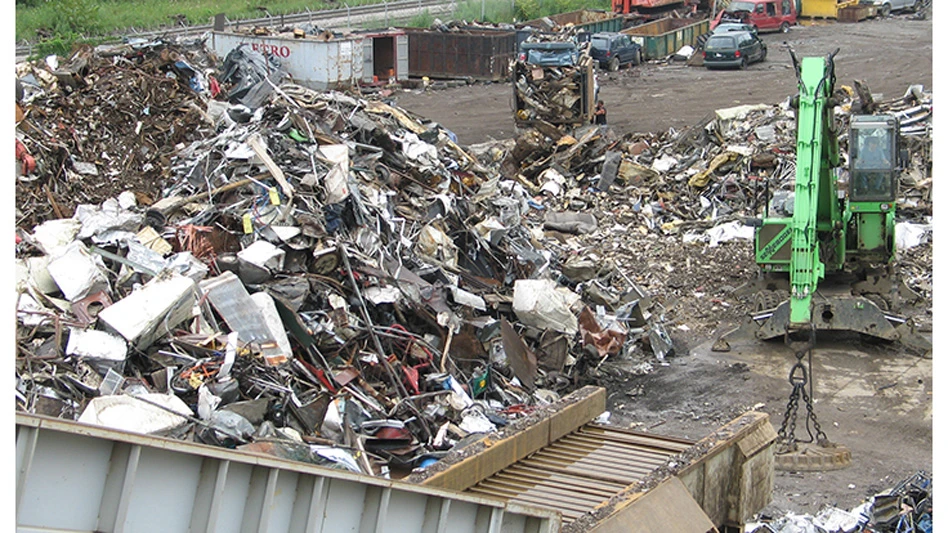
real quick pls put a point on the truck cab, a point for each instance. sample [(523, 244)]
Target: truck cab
[(765, 15)]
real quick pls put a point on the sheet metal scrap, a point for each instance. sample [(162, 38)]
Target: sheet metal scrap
[(905, 508)]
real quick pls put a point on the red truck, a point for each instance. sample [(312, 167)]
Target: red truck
[(764, 15)]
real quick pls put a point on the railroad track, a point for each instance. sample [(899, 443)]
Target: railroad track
[(389, 11)]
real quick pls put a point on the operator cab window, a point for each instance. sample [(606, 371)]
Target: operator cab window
[(872, 157)]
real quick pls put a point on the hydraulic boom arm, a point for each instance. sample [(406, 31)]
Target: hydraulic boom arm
[(815, 193)]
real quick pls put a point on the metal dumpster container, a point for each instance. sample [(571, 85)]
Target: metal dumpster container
[(384, 56), (588, 20), (855, 13), (664, 37), (320, 65), (478, 54), (118, 481), (825, 8)]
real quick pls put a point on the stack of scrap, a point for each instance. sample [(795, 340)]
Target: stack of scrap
[(905, 508), (552, 94), (320, 277)]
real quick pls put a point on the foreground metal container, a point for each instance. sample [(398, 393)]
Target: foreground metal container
[(478, 54), (320, 65), (664, 37), (74, 477)]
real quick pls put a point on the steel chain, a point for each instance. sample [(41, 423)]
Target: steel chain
[(798, 380)]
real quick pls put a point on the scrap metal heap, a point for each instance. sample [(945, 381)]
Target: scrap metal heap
[(253, 264)]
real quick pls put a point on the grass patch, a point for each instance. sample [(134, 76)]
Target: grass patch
[(124, 15), (494, 10), (498, 11), (422, 20)]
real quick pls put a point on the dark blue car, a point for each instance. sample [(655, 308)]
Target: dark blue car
[(733, 49), (613, 50)]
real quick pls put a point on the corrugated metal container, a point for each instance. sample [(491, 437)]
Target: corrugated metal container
[(593, 21), (664, 37), (320, 65), (478, 54), (384, 56)]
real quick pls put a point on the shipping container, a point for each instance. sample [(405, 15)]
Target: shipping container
[(318, 64), (478, 54), (664, 37), (588, 20), (385, 56)]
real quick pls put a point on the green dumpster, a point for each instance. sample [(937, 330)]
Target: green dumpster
[(664, 37)]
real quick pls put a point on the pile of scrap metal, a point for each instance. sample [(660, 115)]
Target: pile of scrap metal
[(653, 193), (553, 82), (322, 277), (905, 508)]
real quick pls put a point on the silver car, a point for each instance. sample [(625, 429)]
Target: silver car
[(884, 7)]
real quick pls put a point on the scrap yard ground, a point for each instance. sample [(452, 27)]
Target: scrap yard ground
[(654, 98), (876, 400)]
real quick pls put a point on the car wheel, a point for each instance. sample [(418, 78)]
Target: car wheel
[(743, 63), (614, 64), (637, 58), (784, 27), (763, 54), (885, 10)]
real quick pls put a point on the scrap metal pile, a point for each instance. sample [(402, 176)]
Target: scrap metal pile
[(321, 277), (905, 508), (557, 93)]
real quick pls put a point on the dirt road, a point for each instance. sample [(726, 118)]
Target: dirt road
[(876, 400), (888, 54)]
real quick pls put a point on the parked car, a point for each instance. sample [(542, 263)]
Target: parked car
[(884, 7), (613, 50), (765, 15), (726, 27), (733, 49), (549, 54)]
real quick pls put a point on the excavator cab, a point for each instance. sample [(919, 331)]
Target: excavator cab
[(873, 163), (874, 168)]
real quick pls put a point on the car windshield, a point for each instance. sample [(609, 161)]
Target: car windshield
[(740, 6), (600, 43), (720, 42), (723, 28)]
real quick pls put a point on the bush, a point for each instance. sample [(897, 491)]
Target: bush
[(75, 16), (421, 20)]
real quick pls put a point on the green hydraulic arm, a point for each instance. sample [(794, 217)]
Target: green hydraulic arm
[(814, 211)]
